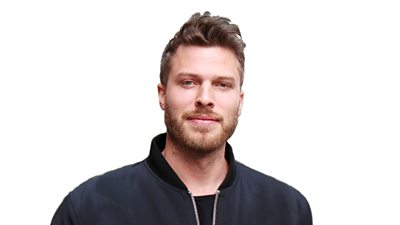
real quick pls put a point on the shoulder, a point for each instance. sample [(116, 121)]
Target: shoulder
[(258, 178), (268, 186), (97, 193), (277, 199), (114, 182)]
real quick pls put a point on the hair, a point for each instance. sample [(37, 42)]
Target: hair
[(206, 31)]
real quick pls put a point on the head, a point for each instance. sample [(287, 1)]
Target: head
[(205, 30), (201, 76)]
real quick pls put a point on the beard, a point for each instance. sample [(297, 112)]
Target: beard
[(197, 140)]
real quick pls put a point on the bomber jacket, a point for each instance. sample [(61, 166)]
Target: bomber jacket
[(150, 193)]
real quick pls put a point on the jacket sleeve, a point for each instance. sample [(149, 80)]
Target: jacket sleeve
[(65, 214), (305, 215)]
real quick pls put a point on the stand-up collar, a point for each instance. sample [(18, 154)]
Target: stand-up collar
[(161, 167)]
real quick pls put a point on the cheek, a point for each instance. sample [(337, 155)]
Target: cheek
[(179, 100), (229, 104)]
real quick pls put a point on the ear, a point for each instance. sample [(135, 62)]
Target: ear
[(241, 102), (161, 96)]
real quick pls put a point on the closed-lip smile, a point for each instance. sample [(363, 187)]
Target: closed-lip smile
[(203, 119), (211, 118)]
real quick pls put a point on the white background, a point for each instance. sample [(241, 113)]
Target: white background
[(322, 101)]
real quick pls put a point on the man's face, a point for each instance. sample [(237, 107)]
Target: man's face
[(202, 99)]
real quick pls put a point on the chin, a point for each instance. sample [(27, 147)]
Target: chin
[(204, 141)]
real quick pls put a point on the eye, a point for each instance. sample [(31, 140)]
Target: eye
[(223, 85), (187, 83)]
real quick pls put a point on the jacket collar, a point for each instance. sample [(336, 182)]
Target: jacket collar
[(161, 167)]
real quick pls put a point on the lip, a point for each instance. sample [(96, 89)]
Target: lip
[(203, 119)]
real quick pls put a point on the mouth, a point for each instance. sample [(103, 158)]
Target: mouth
[(203, 119)]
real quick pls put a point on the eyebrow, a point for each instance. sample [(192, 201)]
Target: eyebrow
[(188, 74), (194, 75)]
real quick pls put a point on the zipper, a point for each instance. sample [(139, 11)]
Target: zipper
[(195, 208), (196, 213), (215, 208)]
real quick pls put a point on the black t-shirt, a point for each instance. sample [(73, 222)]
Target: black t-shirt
[(205, 207)]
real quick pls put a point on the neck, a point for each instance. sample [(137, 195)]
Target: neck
[(201, 173)]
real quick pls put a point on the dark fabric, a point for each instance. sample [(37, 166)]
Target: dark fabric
[(143, 193), (205, 206), (161, 167)]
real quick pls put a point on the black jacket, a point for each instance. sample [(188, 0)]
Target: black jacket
[(150, 193)]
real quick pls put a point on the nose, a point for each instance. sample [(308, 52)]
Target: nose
[(205, 97)]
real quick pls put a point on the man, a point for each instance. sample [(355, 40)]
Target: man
[(190, 175)]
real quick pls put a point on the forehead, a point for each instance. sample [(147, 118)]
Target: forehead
[(205, 61)]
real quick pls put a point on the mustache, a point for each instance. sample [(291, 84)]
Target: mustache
[(201, 112)]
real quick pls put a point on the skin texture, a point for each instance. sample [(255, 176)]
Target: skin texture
[(202, 102)]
